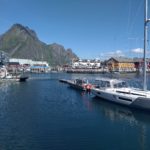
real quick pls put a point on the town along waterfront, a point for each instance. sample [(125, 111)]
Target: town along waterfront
[(45, 114)]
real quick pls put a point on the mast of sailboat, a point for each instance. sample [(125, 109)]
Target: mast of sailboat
[(146, 20)]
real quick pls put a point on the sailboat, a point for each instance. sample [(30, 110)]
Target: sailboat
[(118, 91)]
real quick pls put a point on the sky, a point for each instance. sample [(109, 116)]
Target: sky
[(91, 28)]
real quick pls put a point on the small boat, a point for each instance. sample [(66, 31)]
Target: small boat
[(6, 76), (23, 78), (11, 77), (118, 91), (81, 84)]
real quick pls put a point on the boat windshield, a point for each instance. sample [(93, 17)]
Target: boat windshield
[(80, 81), (102, 84), (120, 85)]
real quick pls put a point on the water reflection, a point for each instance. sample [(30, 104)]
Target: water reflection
[(6, 96), (117, 112), (4, 86), (46, 114), (136, 119)]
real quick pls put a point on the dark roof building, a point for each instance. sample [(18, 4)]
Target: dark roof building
[(121, 59)]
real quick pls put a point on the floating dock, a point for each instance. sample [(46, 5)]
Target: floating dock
[(78, 84), (63, 80)]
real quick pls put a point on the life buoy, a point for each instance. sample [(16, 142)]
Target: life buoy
[(88, 86)]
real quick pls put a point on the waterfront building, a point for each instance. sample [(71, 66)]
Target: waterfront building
[(4, 58), (13, 67), (85, 66), (28, 61), (29, 65), (21, 61), (121, 64), (86, 63), (139, 64), (39, 68)]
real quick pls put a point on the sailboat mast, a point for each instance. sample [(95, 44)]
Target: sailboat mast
[(146, 20)]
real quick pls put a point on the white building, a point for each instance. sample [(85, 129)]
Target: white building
[(85, 63), (44, 63), (30, 65), (21, 61), (28, 61)]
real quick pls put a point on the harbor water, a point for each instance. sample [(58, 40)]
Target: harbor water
[(45, 114)]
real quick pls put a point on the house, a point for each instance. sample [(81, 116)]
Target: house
[(139, 63), (39, 68), (30, 65), (121, 64), (13, 67)]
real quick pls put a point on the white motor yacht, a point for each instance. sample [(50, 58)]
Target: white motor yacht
[(118, 91)]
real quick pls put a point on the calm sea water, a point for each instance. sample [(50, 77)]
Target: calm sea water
[(44, 114)]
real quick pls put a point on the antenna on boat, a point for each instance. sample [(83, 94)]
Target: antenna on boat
[(146, 20)]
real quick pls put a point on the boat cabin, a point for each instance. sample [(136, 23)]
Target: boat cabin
[(80, 81), (110, 83)]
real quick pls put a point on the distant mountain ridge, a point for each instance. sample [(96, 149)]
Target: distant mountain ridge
[(22, 42)]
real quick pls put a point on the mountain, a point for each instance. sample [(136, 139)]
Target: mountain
[(22, 42)]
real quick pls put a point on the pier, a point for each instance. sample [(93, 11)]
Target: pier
[(87, 70)]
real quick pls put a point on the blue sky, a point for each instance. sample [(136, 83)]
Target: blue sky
[(91, 28)]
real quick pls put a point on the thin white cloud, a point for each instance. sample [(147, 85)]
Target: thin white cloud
[(116, 53), (137, 50)]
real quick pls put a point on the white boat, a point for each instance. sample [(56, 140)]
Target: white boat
[(5, 76), (117, 90), (3, 72)]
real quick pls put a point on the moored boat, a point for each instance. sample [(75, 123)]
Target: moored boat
[(6, 76), (118, 91), (23, 78), (81, 84), (18, 78)]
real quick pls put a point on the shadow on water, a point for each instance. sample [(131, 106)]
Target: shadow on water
[(118, 112), (136, 119)]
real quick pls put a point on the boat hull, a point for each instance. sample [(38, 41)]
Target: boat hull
[(23, 79), (124, 99), (80, 87), (141, 103), (111, 97)]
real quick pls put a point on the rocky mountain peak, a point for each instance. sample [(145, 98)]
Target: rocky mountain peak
[(20, 29), (22, 42)]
